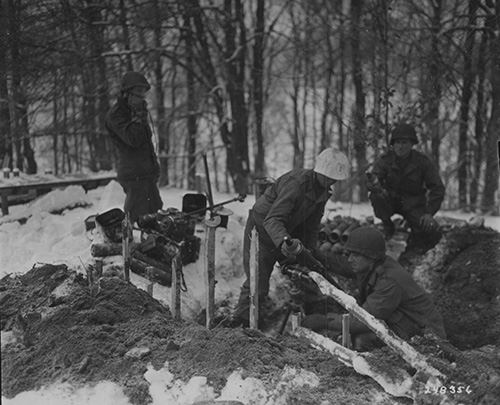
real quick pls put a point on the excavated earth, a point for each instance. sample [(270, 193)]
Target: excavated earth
[(66, 332)]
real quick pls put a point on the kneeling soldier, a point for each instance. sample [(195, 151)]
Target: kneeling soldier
[(385, 290)]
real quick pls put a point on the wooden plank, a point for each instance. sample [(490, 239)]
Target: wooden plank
[(9, 189), (254, 280), (346, 336), (210, 275), (401, 347), (175, 291), (125, 246), (5, 202), (53, 183), (396, 381)]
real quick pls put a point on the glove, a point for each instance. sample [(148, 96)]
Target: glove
[(291, 247), (427, 222), (315, 322), (140, 111)]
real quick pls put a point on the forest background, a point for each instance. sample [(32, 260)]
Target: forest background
[(260, 86)]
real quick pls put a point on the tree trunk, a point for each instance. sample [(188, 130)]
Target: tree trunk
[(324, 132), (493, 128), (235, 68), (296, 75), (192, 126), (207, 67), (161, 125), (257, 81), (435, 82), (5, 132), (479, 123), (468, 77), (55, 127), (359, 107), (99, 90), (21, 131), (126, 34)]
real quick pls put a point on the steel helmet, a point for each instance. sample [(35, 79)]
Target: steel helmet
[(404, 131), (366, 241), (333, 164), (134, 79)]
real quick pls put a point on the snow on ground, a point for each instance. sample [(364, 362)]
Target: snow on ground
[(47, 231), (166, 390)]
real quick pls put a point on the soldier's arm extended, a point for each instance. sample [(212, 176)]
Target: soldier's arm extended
[(376, 177), (281, 211), (131, 131)]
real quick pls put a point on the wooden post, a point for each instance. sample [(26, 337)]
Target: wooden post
[(175, 292), (98, 269), (296, 321), (126, 247), (5, 202), (254, 280), (210, 275), (149, 276), (346, 335)]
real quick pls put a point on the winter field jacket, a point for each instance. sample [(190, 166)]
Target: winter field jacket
[(389, 293), (418, 184), (132, 137), (292, 206)]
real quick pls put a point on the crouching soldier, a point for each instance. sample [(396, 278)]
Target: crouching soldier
[(291, 208), (385, 290), (137, 169), (406, 182)]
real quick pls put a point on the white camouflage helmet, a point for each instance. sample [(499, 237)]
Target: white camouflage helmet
[(333, 164)]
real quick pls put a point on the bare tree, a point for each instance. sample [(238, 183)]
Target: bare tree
[(359, 124), (468, 78), (258, 88), (5, 133), (493, 127)]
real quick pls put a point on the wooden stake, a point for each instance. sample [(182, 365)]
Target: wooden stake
[(254, 280), (346, 335), (175, 292), (210, 275), (126, 247), (98, 269), (149, 275), (296, 319)]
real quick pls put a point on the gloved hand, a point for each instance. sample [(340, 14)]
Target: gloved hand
[(140, 111), (427, 222), (291, 247), (315, 322)]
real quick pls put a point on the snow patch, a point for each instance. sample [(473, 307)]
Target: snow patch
[(64, 394)]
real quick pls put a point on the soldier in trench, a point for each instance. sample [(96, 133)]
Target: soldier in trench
[(405, 181), (385, 290), (291, 208), (138, 169)]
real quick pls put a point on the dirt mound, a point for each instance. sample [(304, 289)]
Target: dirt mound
[(463, 275), (68, 332), (65, 333)]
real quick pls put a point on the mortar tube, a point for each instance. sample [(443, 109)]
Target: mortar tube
[(338, 231), (324, 232), (347, 232)]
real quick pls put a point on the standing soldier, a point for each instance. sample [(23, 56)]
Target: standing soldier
[(291, 208), (406, 182), (138, 169)]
